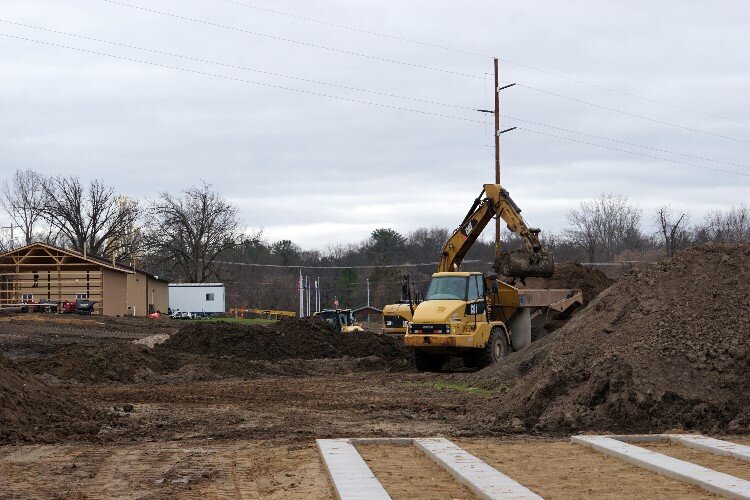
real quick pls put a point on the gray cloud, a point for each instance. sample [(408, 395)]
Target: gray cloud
[(320, 170)]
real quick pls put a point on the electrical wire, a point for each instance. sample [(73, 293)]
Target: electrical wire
[(358, 101), (381, 266), (634, 152), (470, 52), (233, 66), (626, 113), (618, 141), (289, 40), (217, 63), (231, 78)]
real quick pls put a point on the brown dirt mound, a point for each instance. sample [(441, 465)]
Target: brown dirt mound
[(288, 339), (667, 347), (112, 363), (591, 282), (204, 351), (31, 411)]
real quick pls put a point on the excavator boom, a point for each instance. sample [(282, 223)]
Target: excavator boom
[(532, 261)]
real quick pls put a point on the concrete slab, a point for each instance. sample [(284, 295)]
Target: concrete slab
[(710, 480), (350, 475), (485, 481), (711, 445)]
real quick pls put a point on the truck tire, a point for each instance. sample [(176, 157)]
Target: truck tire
[(428, 363), (495, 349)]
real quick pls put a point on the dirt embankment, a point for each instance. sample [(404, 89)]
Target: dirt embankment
[(667, 347), (203, 351), (32, 411)]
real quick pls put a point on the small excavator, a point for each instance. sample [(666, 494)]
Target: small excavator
[(476, 316)]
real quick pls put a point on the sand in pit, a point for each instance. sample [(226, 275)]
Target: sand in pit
[(727, 465), (407, 472), (561, 469)]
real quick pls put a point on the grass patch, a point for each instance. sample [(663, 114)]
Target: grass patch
[(460, 387)]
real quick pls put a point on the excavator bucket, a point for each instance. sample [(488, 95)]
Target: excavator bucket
[(520, 264)]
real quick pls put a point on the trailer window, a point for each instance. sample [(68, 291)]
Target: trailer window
[(209, 297), (447, 288), (27, 297)]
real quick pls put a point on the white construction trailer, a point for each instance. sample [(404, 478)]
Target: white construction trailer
[(197, 297)]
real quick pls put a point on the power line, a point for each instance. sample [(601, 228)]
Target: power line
[(633, 152), (522, 120), (359, 30), (641, 117), (358, 101), (507, 61), (231, 78), (289, 40), (244, 68), (233, 66), (382, 266)]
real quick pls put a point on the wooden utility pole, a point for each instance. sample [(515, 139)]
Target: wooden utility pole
[(497, 152)]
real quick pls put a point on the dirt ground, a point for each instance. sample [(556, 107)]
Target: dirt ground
[(193, 432)]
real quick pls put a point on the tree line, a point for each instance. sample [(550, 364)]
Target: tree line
[(196, 235)]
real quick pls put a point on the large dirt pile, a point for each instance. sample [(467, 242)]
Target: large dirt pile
[(591, 282), (31, 411), (667, 347), (288, 339), (203, 351), (122, 362)]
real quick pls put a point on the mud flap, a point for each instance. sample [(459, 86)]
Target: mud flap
[(520, 329)]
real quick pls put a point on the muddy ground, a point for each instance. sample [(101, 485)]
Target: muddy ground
[(131, 407)]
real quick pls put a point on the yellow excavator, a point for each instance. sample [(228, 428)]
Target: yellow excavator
[(477, 316)]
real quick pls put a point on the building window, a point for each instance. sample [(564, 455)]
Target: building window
[(82, 296), (27, 298), (209, 297)]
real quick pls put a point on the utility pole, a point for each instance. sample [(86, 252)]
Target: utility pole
[(497, 151), (498, 132), (12, 233), (301, 295), (368, 292)]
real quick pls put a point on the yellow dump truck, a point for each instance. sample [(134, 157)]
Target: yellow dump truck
[(477, 316)]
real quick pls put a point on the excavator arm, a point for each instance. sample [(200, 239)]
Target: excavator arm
[(497, 203)]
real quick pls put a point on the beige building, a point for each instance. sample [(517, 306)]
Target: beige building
[(40, 272)]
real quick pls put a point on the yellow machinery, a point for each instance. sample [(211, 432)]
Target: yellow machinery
[(479, 317), (531, 261), (342, 320)]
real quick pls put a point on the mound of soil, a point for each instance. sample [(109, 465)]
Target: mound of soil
[(591, 282), (304, 338), (663, 348), (92, 364), (31, 411)]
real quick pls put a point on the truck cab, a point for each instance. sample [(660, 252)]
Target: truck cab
[(479, 318)]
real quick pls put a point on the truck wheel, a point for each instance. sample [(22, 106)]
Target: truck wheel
[(428, 363), (495, 349)]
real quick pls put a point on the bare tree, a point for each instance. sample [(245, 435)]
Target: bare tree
[(605, 226), (93, 218), (23, 200), (585, 228), (190, 232), (732, 226), (672, 228)]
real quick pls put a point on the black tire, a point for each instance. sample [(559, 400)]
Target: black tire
[(428, 363), (495, 349)]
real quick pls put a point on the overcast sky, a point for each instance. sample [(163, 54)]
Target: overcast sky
[(322, 171)]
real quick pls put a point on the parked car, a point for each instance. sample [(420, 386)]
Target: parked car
[(182, 315)]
